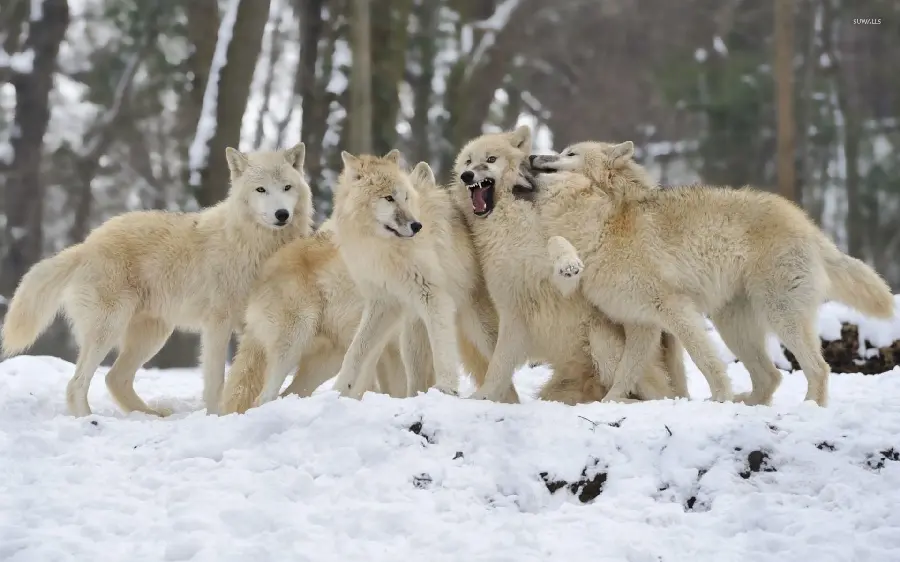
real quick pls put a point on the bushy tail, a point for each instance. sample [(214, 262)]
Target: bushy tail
[(855, 284), (36, 301), (246, 378)]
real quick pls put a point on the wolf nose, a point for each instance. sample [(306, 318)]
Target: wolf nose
[(415, 227), (467, 176), (281, 215)]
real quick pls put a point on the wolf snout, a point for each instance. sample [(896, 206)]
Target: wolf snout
[(467, 177), (532, 158), (415, 226), (282, 215)]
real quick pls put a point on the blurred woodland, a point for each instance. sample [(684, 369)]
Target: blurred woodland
[(101, 101)]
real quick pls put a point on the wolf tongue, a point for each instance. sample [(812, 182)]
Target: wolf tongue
[(478, 202)]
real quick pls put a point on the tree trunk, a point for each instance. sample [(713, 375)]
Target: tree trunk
[(313, 122), (784, 98), (233, 89), (360, 110), (24, 189), (202, 27), (425, 50), (389, 32)]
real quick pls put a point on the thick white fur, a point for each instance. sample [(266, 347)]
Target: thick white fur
[(659, 259), (303, 311), (403, 275), (536, 321), (143, 274)]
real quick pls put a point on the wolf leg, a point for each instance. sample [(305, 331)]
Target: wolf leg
[(631, 366), (375, 328), (680, 318), (511, 352), (143, 339), (439, 315), (213, 355)]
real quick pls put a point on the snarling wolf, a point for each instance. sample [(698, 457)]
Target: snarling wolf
[(536, 321), (659, 259), (143, 274)]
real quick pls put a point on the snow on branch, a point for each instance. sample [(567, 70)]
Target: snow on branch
[(198, 154), (491, 27)]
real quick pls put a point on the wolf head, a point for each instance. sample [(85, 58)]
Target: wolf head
[(493, 168), (271, 185), (599, 161), (377, 195)]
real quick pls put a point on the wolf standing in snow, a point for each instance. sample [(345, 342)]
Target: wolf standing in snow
[(143, 274), (407, 249), (537, 322), (303, 311), (660, 258)]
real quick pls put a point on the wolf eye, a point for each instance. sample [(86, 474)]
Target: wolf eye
[(491, 159), (468, 162), (287, 187), (570, 154), (260, 189), (389, 198)]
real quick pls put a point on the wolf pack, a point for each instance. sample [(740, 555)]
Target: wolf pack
[(576, 259)]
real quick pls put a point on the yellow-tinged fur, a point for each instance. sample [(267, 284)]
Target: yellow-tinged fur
[(143, 274), (405, 274), (660, 258), (536, 320)]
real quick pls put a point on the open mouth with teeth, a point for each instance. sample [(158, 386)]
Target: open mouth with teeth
[(482, 194)]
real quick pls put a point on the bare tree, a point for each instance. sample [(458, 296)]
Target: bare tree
[(24, 188), (232, 88)]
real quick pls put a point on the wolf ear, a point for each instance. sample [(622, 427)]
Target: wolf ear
[(423, 174), (393, 156), (620, 154), (521, 138), (296, 156), (349, 160), (237, 161)]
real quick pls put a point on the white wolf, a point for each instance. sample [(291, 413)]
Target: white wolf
[(409, 253), (536, 321), (660, 258), (303, 311), (143, 274)]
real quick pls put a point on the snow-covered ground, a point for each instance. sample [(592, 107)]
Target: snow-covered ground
[(436, 478)]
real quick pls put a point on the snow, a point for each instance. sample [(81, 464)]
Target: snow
[(198, 153), (491, 26), (20, 63), (700, 55), (719, 46), (37, 10), (326, 478)]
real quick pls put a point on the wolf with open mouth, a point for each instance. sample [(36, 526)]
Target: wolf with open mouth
[(495, 191)]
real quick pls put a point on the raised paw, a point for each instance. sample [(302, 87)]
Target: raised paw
[(569, 266)]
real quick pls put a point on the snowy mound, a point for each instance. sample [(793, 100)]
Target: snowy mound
[(442, 479)]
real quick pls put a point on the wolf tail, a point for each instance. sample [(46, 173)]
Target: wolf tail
[(246, 378), (855, 284), (37, 300)]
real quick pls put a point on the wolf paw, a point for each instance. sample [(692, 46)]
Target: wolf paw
[(446, 390), (722, 396), (568, 267)]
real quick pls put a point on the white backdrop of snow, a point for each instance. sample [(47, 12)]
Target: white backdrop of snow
[(326, 478)]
